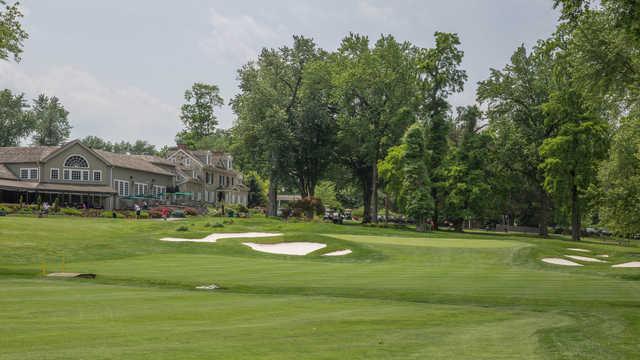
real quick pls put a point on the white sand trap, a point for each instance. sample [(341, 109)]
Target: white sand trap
[(578, 249), (217, 236), (584, 258), (207, 287), (339, 253), (602, 256), (289, 248), (559, 261), (633, 264)]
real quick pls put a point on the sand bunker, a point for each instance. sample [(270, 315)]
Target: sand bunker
[(633, 264), (207, 287), (217, 236), (578, 249), (338, 253), (559, 261), (289, 248), (584, 258), (603, 256)]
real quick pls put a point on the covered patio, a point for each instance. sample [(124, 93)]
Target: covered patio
[(69, 195)]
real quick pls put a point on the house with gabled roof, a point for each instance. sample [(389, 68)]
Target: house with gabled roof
[(76, 174), (208, 176)]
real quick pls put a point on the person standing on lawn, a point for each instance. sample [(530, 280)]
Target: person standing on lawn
[(137, 209)]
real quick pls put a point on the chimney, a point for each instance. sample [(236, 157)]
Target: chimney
[(182, 147)]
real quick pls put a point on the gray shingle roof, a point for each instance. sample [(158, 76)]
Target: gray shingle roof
[(156, 160), (6, 173), (37, 153), (200, 155), (25, 154), (136, 162)]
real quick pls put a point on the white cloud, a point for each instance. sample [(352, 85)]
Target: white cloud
[(374, 11), (237, 39), (95, 108)]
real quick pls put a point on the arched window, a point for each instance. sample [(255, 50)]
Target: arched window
[(76, 161)]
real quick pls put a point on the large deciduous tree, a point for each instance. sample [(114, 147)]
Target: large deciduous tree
[(51, 126), (284, 128), (514, 97), (12, 35), (198, 112), (439, 76), (15, 121), (571, 156), (97, 143), (375, 101), (620, 180)]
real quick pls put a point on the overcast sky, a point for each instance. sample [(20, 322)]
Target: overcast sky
[(121, 67)]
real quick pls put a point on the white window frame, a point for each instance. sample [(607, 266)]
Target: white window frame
[(85, 175), (75, 172), (29, 172), (140, 186), (66, 174), (187, 161), (75, 167), (57, 170), (121, 187), (159, 191), (96, 172)]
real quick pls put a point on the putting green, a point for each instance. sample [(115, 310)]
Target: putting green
[(431, 242)]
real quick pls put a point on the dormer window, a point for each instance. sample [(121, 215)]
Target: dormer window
[(76, 161), (76, 168)]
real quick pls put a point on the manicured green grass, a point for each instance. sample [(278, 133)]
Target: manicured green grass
[(399, 295)]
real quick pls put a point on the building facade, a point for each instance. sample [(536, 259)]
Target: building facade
[(208, 177), (77, 175)]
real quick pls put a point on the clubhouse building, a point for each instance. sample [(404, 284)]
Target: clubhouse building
[(77, 175)]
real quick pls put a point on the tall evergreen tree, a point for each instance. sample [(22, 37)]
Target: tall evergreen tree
[(468, 184), (416, 196)]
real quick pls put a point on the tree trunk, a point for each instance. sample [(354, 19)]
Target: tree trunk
[(374, 192), (436, 214), (366, 199), (386, 208), (543, 221), (272, 210), (458, 225), (421, 225), (575, 215)]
